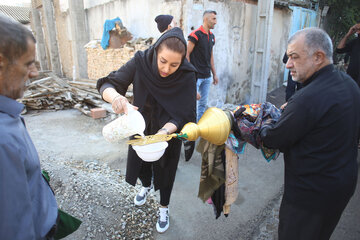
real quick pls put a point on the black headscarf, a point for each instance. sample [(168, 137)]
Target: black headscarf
[(176, 93)]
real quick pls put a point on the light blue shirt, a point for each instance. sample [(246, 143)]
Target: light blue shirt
[(28, 208)]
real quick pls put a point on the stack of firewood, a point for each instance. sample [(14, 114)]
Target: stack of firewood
[(52, 92)]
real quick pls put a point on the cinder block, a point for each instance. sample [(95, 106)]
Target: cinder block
[(98, 113)]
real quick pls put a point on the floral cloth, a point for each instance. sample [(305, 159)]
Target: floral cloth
[(249, 120)]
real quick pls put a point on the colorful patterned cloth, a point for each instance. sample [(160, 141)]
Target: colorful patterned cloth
[(250, 119)]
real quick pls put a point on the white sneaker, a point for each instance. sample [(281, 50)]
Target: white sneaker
[(140, 198), (163, 222)]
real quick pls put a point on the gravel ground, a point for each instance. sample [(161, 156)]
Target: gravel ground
[(101, 198), (88, 183), (86, 177), (267, 227)]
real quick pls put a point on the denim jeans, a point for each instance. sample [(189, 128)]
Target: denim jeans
[(203, 88)]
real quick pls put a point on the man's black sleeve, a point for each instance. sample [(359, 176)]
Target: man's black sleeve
[(294, 123)]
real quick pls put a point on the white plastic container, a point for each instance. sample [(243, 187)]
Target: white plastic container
[(124, 126), (150, 152)]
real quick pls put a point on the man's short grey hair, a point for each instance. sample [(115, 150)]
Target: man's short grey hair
[(315, 39), (13, 38), (209, 11)]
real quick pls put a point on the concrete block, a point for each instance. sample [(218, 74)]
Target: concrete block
[(98, 113)]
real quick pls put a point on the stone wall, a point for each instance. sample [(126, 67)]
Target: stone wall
[(101, 62), (234, 32)]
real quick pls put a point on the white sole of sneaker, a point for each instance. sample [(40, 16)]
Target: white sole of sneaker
[(161, 230), (140, 203)]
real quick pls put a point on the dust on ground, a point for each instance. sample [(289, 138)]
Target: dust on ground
[(85, 185), (87, 175)]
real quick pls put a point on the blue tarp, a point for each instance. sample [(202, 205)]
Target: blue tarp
[(108, 26), (301, 18)]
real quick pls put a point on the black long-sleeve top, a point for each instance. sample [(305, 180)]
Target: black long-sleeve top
[(160, 100), (318, 133)]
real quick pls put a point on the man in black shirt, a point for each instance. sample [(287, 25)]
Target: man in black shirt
[(200, 54), (318, 132), (353, 49)]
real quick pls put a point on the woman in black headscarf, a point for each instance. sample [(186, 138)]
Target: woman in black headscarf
[(164, 87)]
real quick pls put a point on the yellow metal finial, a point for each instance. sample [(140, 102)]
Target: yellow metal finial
[(214, 126)]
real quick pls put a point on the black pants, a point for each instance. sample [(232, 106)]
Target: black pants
[(300, 224), (145, 176)]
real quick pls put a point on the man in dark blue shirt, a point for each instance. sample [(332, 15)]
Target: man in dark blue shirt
[(318, 132), (28, 208)]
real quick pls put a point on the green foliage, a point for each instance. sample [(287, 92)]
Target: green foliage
[(342, 15)]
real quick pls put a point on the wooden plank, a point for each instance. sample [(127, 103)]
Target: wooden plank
[(40, 81), (88, 84)]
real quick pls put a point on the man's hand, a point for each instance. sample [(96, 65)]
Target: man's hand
[(283, 106), (198, 96), (353, 29), (190, 48), (216, 80), (239, 112)]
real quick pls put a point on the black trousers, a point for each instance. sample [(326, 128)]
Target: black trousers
[(145, 176), (300, 224)]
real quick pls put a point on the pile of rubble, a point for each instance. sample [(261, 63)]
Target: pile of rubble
[(53, 93)]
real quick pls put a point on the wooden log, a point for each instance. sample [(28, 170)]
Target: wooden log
[(87, 84), (40, 81)]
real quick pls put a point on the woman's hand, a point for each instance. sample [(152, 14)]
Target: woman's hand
[(162, 131), (120, 104), (167, 129)]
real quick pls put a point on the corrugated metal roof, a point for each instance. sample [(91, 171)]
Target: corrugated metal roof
[(21, 14)]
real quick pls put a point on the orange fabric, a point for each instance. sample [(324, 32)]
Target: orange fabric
[(201, 28), (194, 35)]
